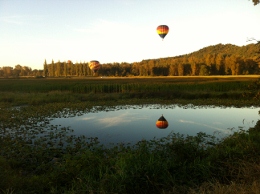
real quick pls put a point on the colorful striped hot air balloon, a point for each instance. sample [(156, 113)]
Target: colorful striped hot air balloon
[(94, 66), (162, 123), (162, 31)]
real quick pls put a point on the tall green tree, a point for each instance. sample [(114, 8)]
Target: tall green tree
[(65, 69), (17, 70), (7, 71), (45, 68), (52, 68), (58, 69)]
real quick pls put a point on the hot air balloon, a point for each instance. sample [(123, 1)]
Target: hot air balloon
[(94, 66), (162, 31), (162, 123)]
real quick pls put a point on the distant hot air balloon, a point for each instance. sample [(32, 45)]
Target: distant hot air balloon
[(94, 66), (162, 123), (162, 31)]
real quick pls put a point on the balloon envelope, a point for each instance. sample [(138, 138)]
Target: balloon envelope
[(94, 66), (162, 30), (162, 123)]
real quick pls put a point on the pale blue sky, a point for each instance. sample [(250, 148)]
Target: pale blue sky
[(118, 30)]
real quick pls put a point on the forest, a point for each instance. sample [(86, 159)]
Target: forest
[(220, 59)]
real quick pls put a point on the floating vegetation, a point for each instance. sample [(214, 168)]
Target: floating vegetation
[(36, 128)]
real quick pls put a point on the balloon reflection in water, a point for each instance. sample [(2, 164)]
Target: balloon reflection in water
[(162, 123)]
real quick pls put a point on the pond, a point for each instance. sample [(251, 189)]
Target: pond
[(130, 124)]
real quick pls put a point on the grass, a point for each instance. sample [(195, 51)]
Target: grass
[(36, 157)]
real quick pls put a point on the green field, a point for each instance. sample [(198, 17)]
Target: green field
[(33, 160)]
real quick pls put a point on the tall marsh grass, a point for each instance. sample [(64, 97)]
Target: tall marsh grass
[(117, 86), (40, 91)]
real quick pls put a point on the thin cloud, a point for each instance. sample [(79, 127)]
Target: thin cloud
[(184, 121), (86, 118), (205, 125), (118, 120), (20, 19)]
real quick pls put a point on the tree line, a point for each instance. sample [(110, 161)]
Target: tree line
[(218, 59), (19, 71), (212, 60)]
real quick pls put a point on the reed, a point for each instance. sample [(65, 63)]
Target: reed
[(41, 91)]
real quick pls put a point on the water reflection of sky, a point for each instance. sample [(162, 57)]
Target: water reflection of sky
[(135, 123)]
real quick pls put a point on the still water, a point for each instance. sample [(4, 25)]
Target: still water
[(130, 124)]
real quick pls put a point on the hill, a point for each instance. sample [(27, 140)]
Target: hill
[(220, 59)]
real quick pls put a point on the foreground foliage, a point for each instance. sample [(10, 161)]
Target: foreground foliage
[(170, 165)]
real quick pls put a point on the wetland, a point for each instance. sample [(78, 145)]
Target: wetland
[(213, 134)]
